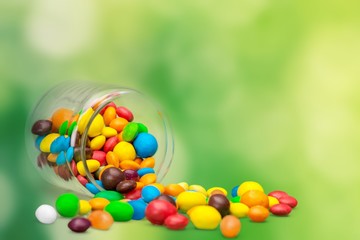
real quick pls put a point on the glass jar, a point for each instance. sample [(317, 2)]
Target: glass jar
[(80, 97)]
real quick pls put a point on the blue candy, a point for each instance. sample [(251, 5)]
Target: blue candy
[(59, 144), (61, 159), (145, 145), (38, 141), (91, 187), (234, 191), (141, 172), (69, 154), (149, 193), (139, 207)]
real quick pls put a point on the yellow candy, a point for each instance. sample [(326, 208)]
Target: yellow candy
[(96, 126), (85, 207), (239, 210), (84, 119), (249, 185), (52, 157), (125, 151), (185, 185), (46, 142), (108, 132), (197, 188), (204, 217), (187, 200), (98, 142), (159, 186), (92, 165), (216, 188), (272, 201), (98, 203)]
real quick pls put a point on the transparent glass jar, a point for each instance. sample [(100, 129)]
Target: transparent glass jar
[(79, 97)]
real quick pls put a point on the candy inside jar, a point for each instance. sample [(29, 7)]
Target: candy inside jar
[(85, 135)]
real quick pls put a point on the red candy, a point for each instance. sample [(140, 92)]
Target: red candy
[(133, 195), (288, 200), (74, 168), (82, 180), (110, 144), (112, 104), (176, 222), (281, 209), (158, 210), (277, 194), (124, 113), (100, 156)]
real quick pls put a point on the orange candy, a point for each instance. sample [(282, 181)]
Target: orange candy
[(255, 197), (217, 191), (173, 189), (60, 116), (100, 220), (118, 123), (148, 178), (148, 163), (109, 115), (159, 186), (139, 185), (138, 160), (230, 226), (112, 159), (258, 213), (129, 164), (98, 203)]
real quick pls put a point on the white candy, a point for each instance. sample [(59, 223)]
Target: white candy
[(46, 214)]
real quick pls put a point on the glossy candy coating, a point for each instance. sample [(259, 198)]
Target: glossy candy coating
[(230, 226), (145, 145), (187, 200), (46, 214), (111, 177), (221, 203), (158, 210), (281, 209), (41, 127), (79, 224), (67, 205), (120, 211), (176, 222), (101, 220), (204, 217)]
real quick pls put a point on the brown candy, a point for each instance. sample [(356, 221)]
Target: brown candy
[(126, 186), (111, 178), (167, 198), (221, 203), (41, 127)]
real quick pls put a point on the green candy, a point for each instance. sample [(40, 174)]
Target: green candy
[(130, 131), (142, 128), (120, 211), (235, 199), (71, 128), (109, 195), (63, 127), (67, 205)]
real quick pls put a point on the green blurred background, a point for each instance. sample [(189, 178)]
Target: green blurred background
[(255, 90)]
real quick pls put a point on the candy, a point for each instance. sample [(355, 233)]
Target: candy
[(71, 128), (258, 213), (112, 159), (101, 220), (272, 201), (77, 153), (210, 190), (176, 222), (82, 180), (131, 174), (61, 115), (126, 186), (144, 171), (110, 144), (100, 156), (198, 188), (67, 205), (118, 124), (79, 224), (84, 207), (204, 217), (167, 198), (59, 144), (230, 226), (98, 203), (158, 210), (235, 199), (69, 154), (47, 141), (92, 165), (111, 177), (239, 210), (221, 203), (98, 142), (124, 113), (109, 115), (158, 186), (149, 193), (120, 211), (96, 126), (142, 128), (148, 178), (41, 127), (288, 200), (133, 195), (111, 104), (125, 151), (92, 188), (187, 200), (255, 197), (46, 214), (148, 163), (281, 209), (173, 190), (129, 164), (277, 194), (145, 145), (61, 158), (130, 132), (63, 127), (109, 195), (139, 207), (234, 191), (249, 185), (109, 132)]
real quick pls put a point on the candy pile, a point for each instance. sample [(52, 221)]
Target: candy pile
[(119, 158)]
